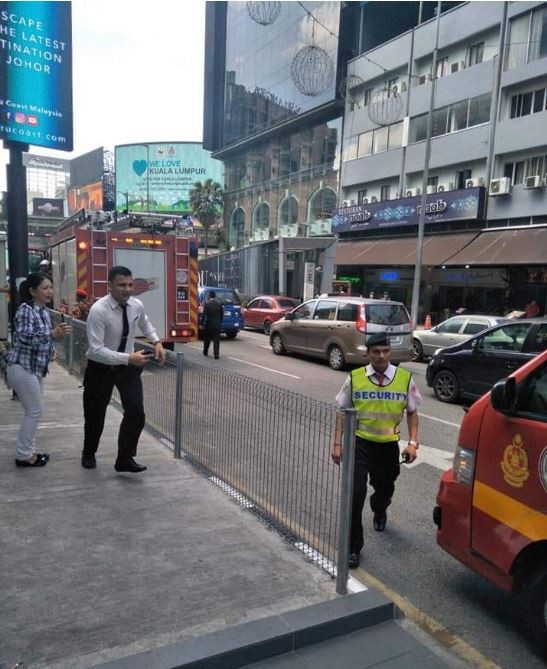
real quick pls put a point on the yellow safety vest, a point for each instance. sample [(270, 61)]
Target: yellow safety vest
[(380, 409)]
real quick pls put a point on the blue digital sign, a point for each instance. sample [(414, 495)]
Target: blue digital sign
[(36, 73)]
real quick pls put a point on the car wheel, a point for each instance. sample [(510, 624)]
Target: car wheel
[(267, 327), (231, 334), (417, 351), (278, 347), (336, 358), (446, 386)]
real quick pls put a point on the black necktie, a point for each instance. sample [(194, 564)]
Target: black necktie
[(125, 331)]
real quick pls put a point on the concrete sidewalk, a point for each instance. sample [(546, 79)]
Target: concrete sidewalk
[(155, 569)]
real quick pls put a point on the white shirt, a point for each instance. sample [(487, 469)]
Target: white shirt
[(105, 328), (414, 399)]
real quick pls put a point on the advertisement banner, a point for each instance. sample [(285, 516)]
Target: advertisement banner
[(88, 197), (47, 206), (455, 205), (159, 177), (36, 73), (33, 161)]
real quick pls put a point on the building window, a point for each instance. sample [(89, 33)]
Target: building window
[(462, 176), (418, 128), (392, 83), (350, 149), (432, 181), (440, 122), (442, 67), (479, 110), (476, 54), (261, 220), (368, 96), (461, 115), (361, 195), (364, 148), (523, 104), (517, 171), (395, 135), (380, 139), (288, 211), (527, 39), (237, 228), (385, 193)]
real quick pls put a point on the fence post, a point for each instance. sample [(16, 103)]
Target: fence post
[(178, 407), (346, 492), (69, 320)]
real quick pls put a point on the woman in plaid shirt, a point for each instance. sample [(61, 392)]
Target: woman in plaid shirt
[(28, 361)]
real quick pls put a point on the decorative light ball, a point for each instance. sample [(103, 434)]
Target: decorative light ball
[(352, 89), (264, 13), (312, 70), (386, 107)]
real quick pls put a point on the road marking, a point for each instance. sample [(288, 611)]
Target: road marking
[(253, 335), (42, 426), (268, 369), (268, 348), (429, 455), (439, 420)]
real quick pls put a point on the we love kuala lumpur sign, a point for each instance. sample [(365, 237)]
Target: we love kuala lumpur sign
[(36, 74), (159, 177)]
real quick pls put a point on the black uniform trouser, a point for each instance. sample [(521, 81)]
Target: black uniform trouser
[(99, 382), (379, 463), (213, 335)]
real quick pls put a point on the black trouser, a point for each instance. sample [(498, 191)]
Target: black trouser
[(378, 462), (214, 335), (99, 381)]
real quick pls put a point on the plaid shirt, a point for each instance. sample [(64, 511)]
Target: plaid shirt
[(32, 342)]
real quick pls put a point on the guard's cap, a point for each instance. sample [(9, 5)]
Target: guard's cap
[(80, 292), (378, 339)]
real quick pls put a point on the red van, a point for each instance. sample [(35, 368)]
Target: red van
[(491, 511)]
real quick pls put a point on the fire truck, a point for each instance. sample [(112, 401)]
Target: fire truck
[(164, 265)]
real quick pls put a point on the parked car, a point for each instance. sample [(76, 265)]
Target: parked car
[(232, 322), (264, 310), (452, 331), (469, 369), (335, 328)]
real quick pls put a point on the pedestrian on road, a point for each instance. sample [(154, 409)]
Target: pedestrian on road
[(379, 412), (213, 313), (28, 362), (113, 361)]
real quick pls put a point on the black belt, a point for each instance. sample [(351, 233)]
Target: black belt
[(107, 368)]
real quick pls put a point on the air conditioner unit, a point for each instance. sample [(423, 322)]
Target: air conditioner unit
[(352, 203), (346, 203), (421, 80), (395, 89), (403, 87), (454, 67), (480, 181), (373, 199), (364, 200), (500, 186), (431, 190), (412, 192), (533, 182), (441, 188), (470, 183)]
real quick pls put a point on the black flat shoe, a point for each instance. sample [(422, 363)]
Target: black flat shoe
[(41, 461), (129, 466), (88, 461), (379, 521), (354, 560)]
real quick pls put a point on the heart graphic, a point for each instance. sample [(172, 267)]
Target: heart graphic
[(140, 167)]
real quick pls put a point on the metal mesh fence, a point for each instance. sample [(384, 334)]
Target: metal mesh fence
[(266, 446)]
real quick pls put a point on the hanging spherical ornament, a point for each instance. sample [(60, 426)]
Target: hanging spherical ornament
[(386, 107), (352, 89), (312, 70), (264, 13)]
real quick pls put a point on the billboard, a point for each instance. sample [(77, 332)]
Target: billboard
[(456, 205), (89, 197), (31, 160), (47, 206), (87, 168), (159, 177), (36, 73)]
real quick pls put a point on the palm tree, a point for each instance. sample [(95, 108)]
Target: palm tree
[(206, 201)]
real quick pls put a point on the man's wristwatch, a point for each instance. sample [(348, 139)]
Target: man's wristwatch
[(414, 443)]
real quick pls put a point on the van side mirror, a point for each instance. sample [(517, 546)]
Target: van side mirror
[(503, 396)]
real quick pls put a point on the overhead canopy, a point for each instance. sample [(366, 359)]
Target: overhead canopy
[(524, 246), (399, 251)]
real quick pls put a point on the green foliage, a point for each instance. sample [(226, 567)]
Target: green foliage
[(206, 202)]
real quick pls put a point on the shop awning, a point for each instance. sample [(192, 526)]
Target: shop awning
[(525, 246), (402, 251)]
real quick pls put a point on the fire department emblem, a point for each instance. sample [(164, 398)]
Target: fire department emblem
[(515, 463), (543, 469)]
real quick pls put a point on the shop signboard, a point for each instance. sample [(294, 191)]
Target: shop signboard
[(36, 73), (47, 207), (456, 205)]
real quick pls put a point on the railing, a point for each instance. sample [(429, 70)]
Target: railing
[(267, 447)]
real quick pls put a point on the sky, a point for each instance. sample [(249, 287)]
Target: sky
[(137, 74)]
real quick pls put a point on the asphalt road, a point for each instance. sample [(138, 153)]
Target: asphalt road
[(405, 558)]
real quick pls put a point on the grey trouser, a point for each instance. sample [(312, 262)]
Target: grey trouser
[(30, 390)]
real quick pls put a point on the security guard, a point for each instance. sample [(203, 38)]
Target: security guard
[(380, 392)]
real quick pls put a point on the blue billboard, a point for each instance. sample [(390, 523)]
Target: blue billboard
[(158, 177), (36, 73), (455, 205)]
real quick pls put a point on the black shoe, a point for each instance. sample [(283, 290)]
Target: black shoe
[(88, 461), (354, 560), (379, 521), (205, 353), (217, 357), (129, 465), (41, 461)]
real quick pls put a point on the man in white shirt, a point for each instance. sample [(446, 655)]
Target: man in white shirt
[(112, 361), (381, 393)]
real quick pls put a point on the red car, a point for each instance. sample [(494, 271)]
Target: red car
[(266, 309)]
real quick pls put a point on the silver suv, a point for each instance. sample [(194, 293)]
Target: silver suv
[(335, 328)]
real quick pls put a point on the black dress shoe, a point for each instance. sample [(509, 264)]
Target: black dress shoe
[(129, 465), (88, 461), (41, 461), (354, 560), (379, 521)]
